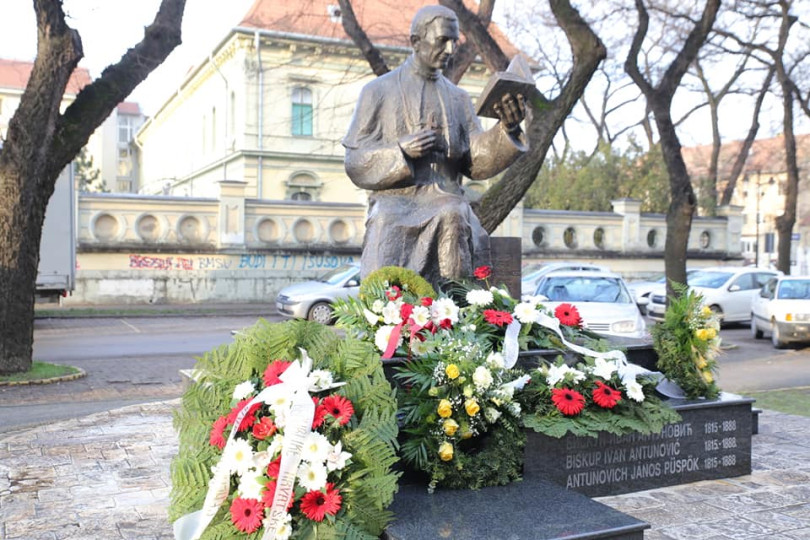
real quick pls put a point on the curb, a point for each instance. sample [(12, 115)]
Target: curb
[(50, 380)]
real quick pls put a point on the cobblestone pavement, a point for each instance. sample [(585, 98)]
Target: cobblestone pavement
[(106, 476)]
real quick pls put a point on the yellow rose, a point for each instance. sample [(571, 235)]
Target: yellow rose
[(445, 409), (446, 451), (706, 311), (700, 362), (466, 434), (450, 427), (711, 333), (707, 376), (701, 334), (472, 407), (451, 371)]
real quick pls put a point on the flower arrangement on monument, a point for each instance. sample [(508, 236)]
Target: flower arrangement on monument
[(305, 448), (687, 342), (463, 398)]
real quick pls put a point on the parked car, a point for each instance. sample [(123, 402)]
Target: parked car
[(727, 290), (782, 308), (533, 273), (641, 289), (602, 299), (313, 299)]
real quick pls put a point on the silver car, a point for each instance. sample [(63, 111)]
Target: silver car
[(313, 299)]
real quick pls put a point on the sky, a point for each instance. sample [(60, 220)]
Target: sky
[(109, 27)]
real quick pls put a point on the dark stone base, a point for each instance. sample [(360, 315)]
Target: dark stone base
[(712, 441), (533, 509)]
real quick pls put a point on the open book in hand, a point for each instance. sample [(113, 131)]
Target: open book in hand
[(517, 79)]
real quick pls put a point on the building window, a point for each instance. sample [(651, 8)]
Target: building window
[(599, 238), (705, 240), (538, 236), (124, 161), (652, 238), (302, 111), (570, 238), (125, 128), (303, 187)]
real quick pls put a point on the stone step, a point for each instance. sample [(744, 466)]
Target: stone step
[(533, 509)]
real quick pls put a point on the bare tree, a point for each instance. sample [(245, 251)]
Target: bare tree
[(659, 99), (41, 142), (547, 115)]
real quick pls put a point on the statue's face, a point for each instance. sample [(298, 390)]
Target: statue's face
[(437, 46)]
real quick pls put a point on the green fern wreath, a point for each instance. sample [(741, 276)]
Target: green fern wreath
[(367, 484)]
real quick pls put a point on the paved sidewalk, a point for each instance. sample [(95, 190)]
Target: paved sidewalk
[(106, 476)]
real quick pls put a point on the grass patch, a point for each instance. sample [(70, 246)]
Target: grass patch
[(40, 370), (790, 400)]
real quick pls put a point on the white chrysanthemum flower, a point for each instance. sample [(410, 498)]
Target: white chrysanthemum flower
[(479, 297), (320, 379), (444, 308), (391, 314), (251, 484), (604, 368), (492, 414), (526, 313), (238, 455), (283, 529), (482, 378), (371, 317), (495, 360), (243, 390), (419, 348), (316, 448), (383, 335), (634, 390), (378, 306), (336, 458), (312, 476), (421, 315)]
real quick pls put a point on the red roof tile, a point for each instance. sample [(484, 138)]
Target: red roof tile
[(129, 107), (766, 156), (387, 22), (14, 75)]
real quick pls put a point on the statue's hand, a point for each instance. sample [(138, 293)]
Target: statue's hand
[(511, 111), (418, 144)]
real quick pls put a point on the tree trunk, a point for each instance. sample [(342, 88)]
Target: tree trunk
[(40, 143), (785, 222)]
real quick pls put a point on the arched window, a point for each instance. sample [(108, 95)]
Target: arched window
[(301, 196), (303, 186), (302, 111)]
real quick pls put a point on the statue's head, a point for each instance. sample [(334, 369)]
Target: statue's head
[(434, 35)]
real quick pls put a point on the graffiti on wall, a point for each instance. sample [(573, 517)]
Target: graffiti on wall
[(246, 261)]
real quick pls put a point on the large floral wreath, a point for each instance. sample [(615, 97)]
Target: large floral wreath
[(464, 400), (298, 428)]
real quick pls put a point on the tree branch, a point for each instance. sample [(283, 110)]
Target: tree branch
[(97, 100), (352, 27), (476, 31)]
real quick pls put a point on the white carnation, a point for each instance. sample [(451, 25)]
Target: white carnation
[(479, 297), (243, 390)]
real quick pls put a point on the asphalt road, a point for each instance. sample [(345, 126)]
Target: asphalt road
[(137, 359)]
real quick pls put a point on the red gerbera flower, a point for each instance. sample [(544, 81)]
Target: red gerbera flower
[(568, 315), (427, 301), (273, 468), (320, 413), (264, 428), (217, 437), (316, 504), (605, 396), (247, 514), (393, 293), (445, 324), (270, 492), (339, 407), (276, 368), (482, 272), (405, 311), (250, 417), (500, 318), (569, 402)]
